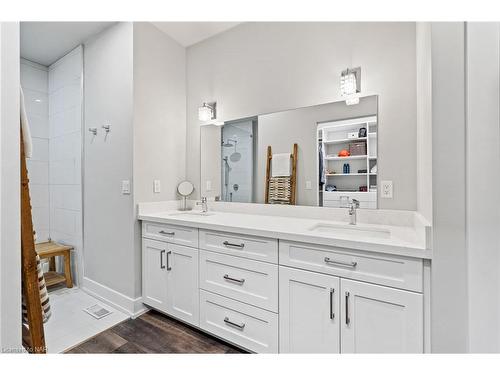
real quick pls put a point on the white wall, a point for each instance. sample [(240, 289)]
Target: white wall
[(159, 113), (483, 180), (210, 145), (135, 82), (10, 241), (34, 80), (65, 154), (109, 222), (258, 68), (449, 264), (424, 119)]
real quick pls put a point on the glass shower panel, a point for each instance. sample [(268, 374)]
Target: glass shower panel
[(237, 161)]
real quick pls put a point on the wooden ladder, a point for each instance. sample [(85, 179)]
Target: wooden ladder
[(33, 335)]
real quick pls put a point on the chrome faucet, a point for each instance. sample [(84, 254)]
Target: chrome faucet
[(353, 205), (203, 204)]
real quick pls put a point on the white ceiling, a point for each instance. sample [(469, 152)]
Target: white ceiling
[(46, 42), (189, 33)]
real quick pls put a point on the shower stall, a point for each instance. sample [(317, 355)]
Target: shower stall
[(54, 98), (237, 161)]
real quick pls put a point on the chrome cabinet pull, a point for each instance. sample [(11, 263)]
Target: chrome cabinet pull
[(236, 325), (229, 244), (345, 264), (167, 233), (332, 314), (347, 318), (228, 278), (161, 259), (168, 261)]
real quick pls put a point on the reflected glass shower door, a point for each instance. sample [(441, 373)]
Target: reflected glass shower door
[(237, 161)]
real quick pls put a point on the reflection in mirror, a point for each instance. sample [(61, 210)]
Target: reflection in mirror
[(336, 161)]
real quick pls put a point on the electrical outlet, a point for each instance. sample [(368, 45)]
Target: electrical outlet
[(126, 187), (209, 185), (156, 186), (386, 189), (308, 185)]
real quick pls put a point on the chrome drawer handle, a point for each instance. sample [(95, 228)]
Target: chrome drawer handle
[(345, 264), (347, 317), (239, 281), (332, 314), (167, 233), (162, 266), (236, 325), (168, 261), (229, 244)]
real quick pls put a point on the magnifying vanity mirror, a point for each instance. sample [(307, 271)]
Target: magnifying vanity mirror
[(185, 189), (255, 160)]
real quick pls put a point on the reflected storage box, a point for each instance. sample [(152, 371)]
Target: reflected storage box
[(357, 148)]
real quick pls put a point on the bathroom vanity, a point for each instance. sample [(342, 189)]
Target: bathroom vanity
[(272, 283)]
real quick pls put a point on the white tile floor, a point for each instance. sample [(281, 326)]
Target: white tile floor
[(69, 324)]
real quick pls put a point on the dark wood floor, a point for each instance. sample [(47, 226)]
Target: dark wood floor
[(153, 332)]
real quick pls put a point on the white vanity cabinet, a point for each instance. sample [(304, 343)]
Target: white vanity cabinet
[(170, 279), (328, 312), (309, 312), (378, 319), (154, 274), (269, 295)]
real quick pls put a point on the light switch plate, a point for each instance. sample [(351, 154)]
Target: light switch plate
[(308, 185), (156, 186), (126, 187), (208, 185), (386, 189)]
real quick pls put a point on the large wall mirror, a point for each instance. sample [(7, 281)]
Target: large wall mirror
[(323, 155)]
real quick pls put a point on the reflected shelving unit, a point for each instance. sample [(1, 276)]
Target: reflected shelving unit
[(335, 136)]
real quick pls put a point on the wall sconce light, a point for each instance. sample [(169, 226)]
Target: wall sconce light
[(350, 85), (207, 111)]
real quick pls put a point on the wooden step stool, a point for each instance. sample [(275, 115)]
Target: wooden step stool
[(51, 250)]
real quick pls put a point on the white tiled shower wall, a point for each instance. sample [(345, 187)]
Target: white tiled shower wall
[(65, 153), (56, 186), (34, 81)]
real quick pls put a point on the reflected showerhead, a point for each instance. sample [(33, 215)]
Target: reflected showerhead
[(229, 142)]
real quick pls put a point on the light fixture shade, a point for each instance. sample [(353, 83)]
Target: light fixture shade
[(206, 112), (350, 85)]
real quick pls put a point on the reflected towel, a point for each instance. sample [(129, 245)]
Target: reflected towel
[(281, 165), (28, 143)]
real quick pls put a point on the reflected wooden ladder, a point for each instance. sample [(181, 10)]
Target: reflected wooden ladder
[(293, 176)]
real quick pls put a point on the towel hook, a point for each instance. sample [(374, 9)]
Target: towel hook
[(107, 129)]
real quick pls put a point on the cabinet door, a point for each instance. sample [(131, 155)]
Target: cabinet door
[(154, 275), (309, 312), (378, 319), (182, 283)]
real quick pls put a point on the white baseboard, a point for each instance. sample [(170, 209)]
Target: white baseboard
[(130, 306)]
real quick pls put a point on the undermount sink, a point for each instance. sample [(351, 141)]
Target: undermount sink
[(350, 230), (192, 213)]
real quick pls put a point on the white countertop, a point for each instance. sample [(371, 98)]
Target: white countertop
[(403, 240)]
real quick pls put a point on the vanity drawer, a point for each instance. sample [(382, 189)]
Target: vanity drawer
[(244, 325), (245, 280), (171, 233), (252, 247), (390, 270)]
